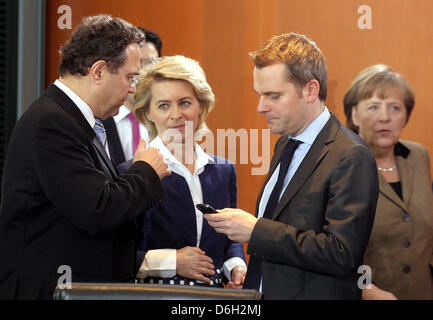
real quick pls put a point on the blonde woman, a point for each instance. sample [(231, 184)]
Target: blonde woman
[(173, 100)]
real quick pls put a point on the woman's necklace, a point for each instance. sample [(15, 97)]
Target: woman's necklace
[(386, 170)]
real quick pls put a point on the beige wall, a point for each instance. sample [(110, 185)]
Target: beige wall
[(220, 33)]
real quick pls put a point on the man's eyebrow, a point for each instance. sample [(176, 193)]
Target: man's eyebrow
[(268, 93)]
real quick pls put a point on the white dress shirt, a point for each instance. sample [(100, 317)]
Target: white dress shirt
[(162, 262), (124, 129), (308, 136), (83, 106)]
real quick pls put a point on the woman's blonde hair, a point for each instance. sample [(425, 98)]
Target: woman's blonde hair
[(172, 68)]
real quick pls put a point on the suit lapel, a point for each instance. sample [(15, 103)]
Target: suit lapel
[(405, 169), (209, 194), (114, 144), (281, 144), (101, 150), (69, 106), (317, 152)]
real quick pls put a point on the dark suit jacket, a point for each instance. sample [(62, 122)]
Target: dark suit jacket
[(172, 224), (63, 203), (114, 143), (314, 243)]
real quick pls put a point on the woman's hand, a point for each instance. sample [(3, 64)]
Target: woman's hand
[(376, 293), (193, 263)]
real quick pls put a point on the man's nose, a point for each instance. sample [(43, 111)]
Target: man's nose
[(263, 105)]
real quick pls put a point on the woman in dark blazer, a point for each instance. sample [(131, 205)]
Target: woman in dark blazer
[(400, 251), (173, 100)]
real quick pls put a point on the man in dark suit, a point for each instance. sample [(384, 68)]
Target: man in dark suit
[(124, 130), (315, 212), (64, 206)]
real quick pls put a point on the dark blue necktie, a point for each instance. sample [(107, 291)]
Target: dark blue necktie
[(254, 274)]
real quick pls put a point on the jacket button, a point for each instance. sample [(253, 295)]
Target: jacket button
[(406, 269), (406, 243), (406, 218)]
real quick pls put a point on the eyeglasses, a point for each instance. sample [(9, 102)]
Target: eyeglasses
[(133, 81)]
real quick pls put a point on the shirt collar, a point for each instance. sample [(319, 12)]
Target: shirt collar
[(313, 129), (201, 160), (401, 150), (123, 112), (80, 103)]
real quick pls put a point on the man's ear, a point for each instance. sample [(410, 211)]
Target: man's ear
[(311, 90), (97, 71)]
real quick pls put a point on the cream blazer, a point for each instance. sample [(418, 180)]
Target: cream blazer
[(400, 250)]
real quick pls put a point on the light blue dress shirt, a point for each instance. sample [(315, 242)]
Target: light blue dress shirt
[(308, 136)]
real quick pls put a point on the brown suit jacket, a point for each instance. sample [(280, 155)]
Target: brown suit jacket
[(401, 245), (314, 243)]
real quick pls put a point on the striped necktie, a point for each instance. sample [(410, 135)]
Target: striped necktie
[(101, 134)]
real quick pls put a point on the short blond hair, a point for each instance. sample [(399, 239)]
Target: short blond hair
[(303, 59), (172, 68), (376, 79)]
